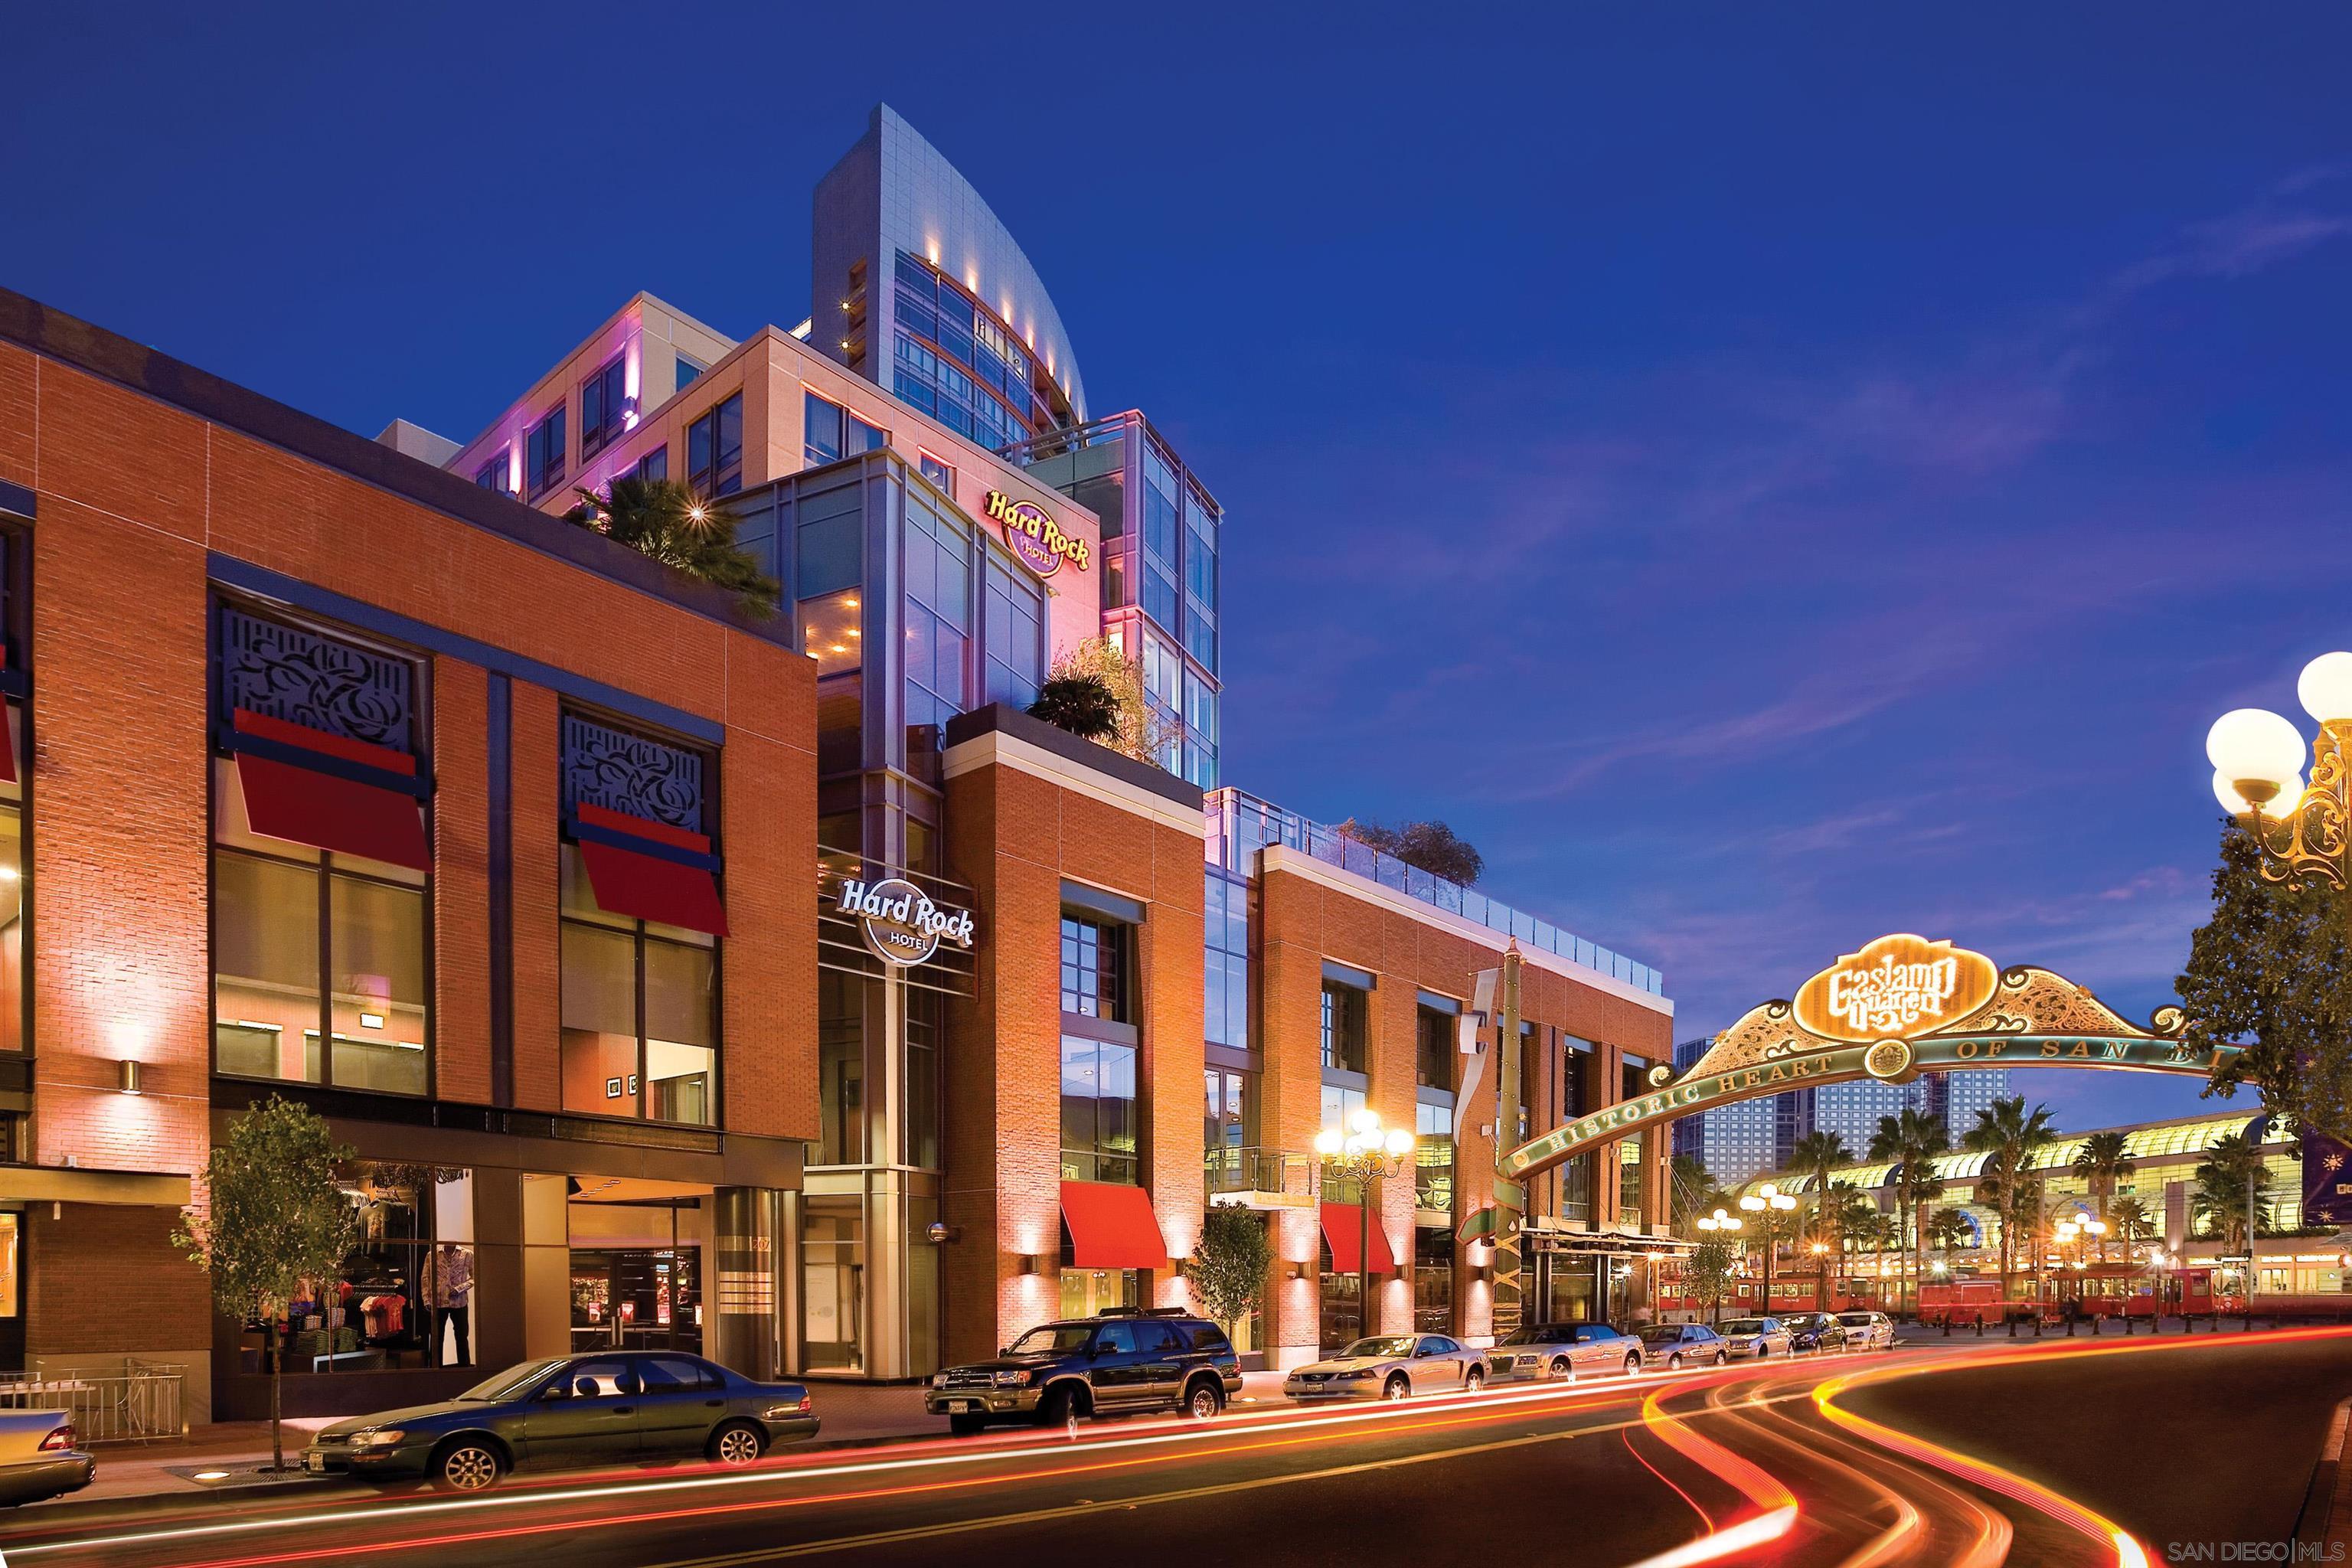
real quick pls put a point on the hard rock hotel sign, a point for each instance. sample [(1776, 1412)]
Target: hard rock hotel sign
[(1899, 1007)]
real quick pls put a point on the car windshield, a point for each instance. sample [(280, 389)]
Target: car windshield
[(515, 1382), (1743, 1326), (1856, 1320), (1663, 1335), (1534, 1337), (1378, 1345), (1057, 1339)]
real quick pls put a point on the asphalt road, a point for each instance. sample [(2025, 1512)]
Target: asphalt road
[(1850, 1462)]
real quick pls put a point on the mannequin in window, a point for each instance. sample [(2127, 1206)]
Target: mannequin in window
[(449, 1291)]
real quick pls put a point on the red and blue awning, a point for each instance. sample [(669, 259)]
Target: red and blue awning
[(649, 870), (330, 791)]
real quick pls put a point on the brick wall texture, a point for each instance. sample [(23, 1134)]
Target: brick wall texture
[(133, 497)]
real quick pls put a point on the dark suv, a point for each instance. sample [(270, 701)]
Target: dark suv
[(1121, 1360)]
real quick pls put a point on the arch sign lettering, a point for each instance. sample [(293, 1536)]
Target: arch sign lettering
[(1898, 1006)]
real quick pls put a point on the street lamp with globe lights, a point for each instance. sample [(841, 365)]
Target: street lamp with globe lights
[(1768, 1202), (1720, 1224), (1363, 1150), (2257, 757)]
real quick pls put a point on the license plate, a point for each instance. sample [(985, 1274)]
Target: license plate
[(963, 1406), (314, 1463)]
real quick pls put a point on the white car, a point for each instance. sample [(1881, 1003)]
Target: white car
[(1391, 1366), (1868, 1330), (38, 1456)]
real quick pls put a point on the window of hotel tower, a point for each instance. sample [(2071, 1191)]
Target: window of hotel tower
[(641, 919), (714, 449), (1099, 1044), (320, 917)]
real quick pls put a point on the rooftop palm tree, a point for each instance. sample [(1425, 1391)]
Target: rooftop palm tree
[(1911, 1142), (2010, 1139), (1083, 705), (665, 519), (2102, 1161), (1816, 1154)]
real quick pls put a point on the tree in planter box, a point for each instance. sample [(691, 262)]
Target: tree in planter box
[(274, 1217)]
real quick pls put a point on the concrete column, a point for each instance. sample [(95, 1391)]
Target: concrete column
[(501, 1288)]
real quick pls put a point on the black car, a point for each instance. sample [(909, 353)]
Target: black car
[(1816, 1331), (1121, 1360), (612, 1408)]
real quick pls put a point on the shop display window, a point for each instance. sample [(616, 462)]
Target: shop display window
[(405, 1295)]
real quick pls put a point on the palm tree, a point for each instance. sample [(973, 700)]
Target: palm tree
[(2010, 1139), (665, 519), (2103, 1161), (2231, 1178), (1816, 1154), (1082, 705), (1949, 1229), (1911, 1141), (2130, 1221)]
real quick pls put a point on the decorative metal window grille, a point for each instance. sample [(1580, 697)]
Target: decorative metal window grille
[(631, 775), (285, 672)]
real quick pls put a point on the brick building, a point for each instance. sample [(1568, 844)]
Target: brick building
[(772, 988)]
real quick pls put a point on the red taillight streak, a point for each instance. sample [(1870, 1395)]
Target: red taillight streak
[(868, 1494)]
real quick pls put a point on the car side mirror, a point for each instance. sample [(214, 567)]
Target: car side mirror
[(552, 1393)]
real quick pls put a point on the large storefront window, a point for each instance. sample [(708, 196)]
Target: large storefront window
[(1094, 969), (640, 1012), (833, 1283), (404, 1296), (320, 914), (642, 913), (1433, 1154), (1432, 1280), (1087, 1292), (1098, 1122), (1343, 1027)]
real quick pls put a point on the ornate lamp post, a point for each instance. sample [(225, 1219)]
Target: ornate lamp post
[(1720, 1224), (1364, 1152), (2257, 758), (1768, 1202)]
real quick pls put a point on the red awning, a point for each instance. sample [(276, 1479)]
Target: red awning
[(652, 888), (1342, 1225), (1112, 1227), (327, 812)]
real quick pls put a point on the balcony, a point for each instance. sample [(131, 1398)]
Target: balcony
[(1261, 1178), (1244, 824)]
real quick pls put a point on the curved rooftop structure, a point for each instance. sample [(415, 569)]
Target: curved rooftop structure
[(893, 196), (2148, 1141)]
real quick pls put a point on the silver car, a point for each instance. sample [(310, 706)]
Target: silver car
[(1391, 1366), (39, 1456), (1546, 1352), (1868, 1330), (1754, 1338), (1678, 1345)]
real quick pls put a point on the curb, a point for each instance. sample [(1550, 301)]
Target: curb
[(2312, 1521)]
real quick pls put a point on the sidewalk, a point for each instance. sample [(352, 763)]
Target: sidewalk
[(224, 1459)]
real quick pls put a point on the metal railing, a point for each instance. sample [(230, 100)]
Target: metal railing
[(1256, 1170), (142, 1405), (1244, 824)]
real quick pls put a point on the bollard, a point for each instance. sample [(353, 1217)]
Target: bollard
[(2037, 1324), (2013, 1324), (1979, 1325), (1947, 1325), (2095, 1325), (2070, 1327)]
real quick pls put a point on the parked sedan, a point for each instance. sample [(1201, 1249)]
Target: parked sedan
[(1391, 1366), (1678, 1345), (1549, 1352), (613, 1408), (1756, 1337), (1868, 1330), (1816, 1331), (39, 1459)]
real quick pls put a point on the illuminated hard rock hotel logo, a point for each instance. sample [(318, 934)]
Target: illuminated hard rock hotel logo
[(1033, 535), (1895, 987)]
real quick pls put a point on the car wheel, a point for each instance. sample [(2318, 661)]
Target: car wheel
[(738, 1443), (1561, 1369), (1722, 1358), (468, 1465), (965, 1425), (1058, 1408), (1633, 1366), (1398, 1388), (1675, 1362), (1474, 1379), (1204, 1400)]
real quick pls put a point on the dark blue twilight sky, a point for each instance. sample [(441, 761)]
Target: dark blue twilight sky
[(1768, 475)]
